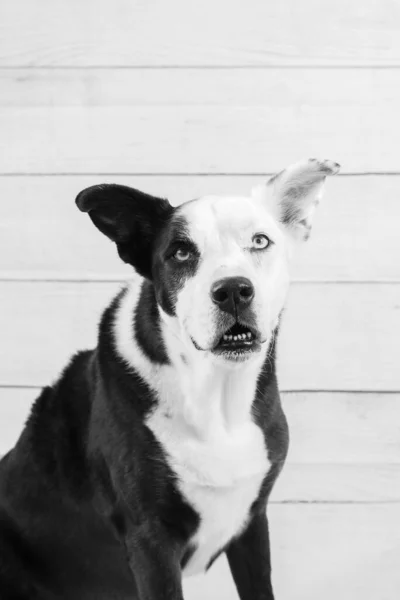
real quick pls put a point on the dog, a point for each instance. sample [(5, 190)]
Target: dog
[(157, 451)]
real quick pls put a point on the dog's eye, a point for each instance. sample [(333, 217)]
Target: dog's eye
[(260, 241), (182, 254)]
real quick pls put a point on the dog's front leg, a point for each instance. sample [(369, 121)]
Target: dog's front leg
[(250, 562), (155, 567)]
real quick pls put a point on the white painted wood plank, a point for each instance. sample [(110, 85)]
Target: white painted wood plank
[(333, 337), (344, 448), (197, 139), (343, 428), (43, 324), (340, 337), (42, 234), (211, 33), (328, 552), (337, 483), (183, 121), (15, 405), (277, 88), (168, 120)]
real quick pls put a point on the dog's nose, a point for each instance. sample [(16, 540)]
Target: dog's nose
[(232, 294)]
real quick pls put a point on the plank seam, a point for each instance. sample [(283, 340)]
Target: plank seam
[(205, 67), (29, 386), (333, 502), (338, 391), (177, 174)]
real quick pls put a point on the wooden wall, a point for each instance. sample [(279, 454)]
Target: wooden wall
[(179, 99)]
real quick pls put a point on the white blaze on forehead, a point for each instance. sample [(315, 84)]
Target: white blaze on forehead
[(215, 220)]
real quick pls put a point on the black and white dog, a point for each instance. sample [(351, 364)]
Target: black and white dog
[(157, 451)]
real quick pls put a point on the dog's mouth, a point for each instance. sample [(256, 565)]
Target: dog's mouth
[(237, 340)]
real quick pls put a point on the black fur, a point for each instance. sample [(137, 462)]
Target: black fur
[(86, 479), (89, 508), (169, 275), (130, 218), (147, 326)]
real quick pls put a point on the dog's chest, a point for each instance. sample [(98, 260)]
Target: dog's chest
[(219, 475)]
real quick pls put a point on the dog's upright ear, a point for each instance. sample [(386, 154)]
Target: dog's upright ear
[(296, 192), (129, 218)]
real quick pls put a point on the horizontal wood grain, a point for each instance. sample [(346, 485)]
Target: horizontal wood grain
[(189, 139), (343, 448), (192, 139), (337, 483), (43, 235), (322, 552), (191, 121), (15, 405), (343, 428), (281, 89), (333, 337), (209, 33)]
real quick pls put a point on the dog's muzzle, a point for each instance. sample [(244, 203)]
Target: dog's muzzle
[(233, 296)]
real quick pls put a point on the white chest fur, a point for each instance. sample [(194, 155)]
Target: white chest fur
[(219, 474), (203, 421)]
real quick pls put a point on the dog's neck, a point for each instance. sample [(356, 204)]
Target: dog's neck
[(191, 386)]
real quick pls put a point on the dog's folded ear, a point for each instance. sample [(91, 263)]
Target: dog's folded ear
[(130, 218), (296, 192)]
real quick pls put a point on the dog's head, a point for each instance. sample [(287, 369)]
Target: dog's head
[(219, 265)]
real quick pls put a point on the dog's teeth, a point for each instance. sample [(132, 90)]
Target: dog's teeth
[(249, 335), (235, 337), (225, 337)]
